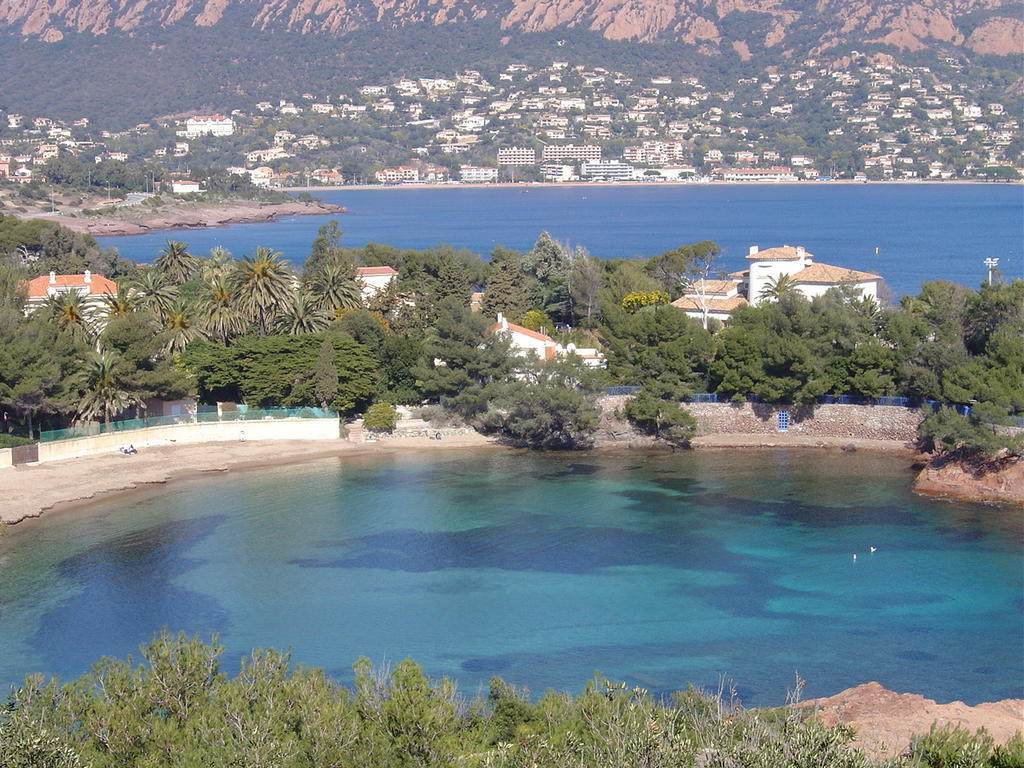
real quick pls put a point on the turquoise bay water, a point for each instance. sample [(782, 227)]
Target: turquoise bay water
[(922, 232), (655, 569)]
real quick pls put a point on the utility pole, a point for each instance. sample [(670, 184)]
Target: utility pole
[(991, 264)]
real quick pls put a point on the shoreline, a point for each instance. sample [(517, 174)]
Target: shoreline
[(191, 216), (53, 488), (56, 487), (586, 184)]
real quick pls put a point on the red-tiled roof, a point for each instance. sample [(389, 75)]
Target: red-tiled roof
[(690, 304), (828, 274), (38, 287), (781, 253), (520, 329), (714, 287), (368, 271)]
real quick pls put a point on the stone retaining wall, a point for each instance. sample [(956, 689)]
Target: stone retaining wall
[(371, 435), (873, 422)]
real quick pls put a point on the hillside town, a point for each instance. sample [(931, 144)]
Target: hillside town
[(865, 119)]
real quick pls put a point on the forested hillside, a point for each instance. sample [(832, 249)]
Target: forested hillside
[(61, 58)]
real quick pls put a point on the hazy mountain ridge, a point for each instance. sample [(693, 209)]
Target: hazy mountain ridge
[(988, 27)]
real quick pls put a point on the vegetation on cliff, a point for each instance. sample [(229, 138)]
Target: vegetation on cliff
[(179, 708)]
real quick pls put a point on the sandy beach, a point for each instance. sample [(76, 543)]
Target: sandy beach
[(28, 491)]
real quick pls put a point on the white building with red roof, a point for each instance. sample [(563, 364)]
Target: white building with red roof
[(373, 280), (531, 344), (809, 277), (718, 298), (90, 288)]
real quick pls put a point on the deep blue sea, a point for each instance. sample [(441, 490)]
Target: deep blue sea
[(655, 569), (921, 231)]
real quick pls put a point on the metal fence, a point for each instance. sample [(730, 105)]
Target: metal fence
[(204, 415)]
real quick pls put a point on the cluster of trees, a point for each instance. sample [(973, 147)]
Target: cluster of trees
[(178, 708), (257, 330)]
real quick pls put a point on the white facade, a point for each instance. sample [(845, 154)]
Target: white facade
[(209, 125), (539, 346), (478, 174), (579, 152), (517, 156), (810, 278), (610, 171), (373, 280)]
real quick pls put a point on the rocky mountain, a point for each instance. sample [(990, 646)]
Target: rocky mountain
[(119, 61), (793, 27)]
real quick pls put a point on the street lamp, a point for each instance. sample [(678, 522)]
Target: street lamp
[(991, 264)]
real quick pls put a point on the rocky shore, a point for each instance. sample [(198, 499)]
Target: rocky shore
[(137, 221), (885, 721), (998, 480)]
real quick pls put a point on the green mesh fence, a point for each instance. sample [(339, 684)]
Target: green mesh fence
[(242, 414)]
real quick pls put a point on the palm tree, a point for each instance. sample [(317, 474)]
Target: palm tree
[(777, 288), (302, 315), (103, 396), (119, 304), (176, 263), (335, 288), (180, 329), (68, 311), (156, 294), (218, 310), (263, 286), (219, 264)]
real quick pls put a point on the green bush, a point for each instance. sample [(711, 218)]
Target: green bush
[(952, 747), (12, 441), (380, 416), (664, 419)]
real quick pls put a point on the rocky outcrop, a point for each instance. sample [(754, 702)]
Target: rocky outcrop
[(192, 217), (885, 722), (904, 24), (996, 480)]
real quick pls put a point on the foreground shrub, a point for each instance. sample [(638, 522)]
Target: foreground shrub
[(956, 747), (178, 708), (380, 416), (665, 419)]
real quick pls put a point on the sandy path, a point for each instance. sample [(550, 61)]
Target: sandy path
[(29, 490)]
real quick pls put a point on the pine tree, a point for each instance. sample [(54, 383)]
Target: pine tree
[(325, 377), (507, 290)]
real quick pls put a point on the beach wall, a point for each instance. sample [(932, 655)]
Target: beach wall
[(204, 432), (6, 458), (868, 422)]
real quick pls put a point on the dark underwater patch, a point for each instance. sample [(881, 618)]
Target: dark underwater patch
[(127, 596)]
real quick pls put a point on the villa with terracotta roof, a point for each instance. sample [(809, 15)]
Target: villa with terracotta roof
[(373, 280), (88, 286), (713, 298), (529, 344), (718, 298)]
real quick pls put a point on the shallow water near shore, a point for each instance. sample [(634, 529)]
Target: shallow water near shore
[(656, 569)]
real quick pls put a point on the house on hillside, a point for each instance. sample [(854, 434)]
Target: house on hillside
[(810, 278), (718, 298), (528, 344), (374, 280), (89, 287)]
